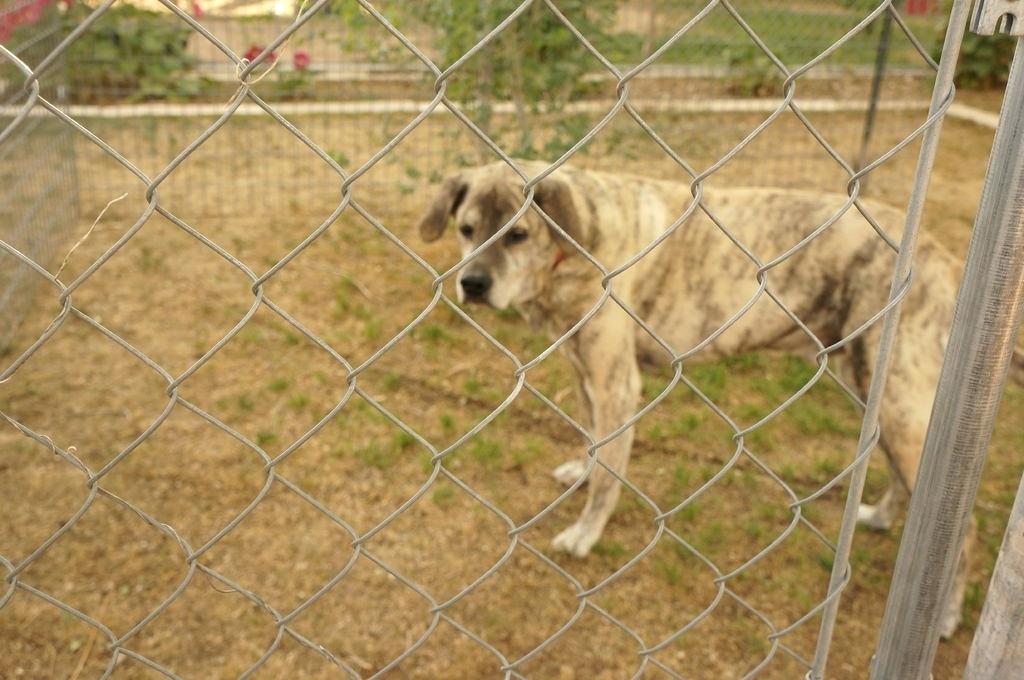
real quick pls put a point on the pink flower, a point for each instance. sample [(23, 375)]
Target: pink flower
[(197, 10), (34, 11), (255, 51), (301, 60)]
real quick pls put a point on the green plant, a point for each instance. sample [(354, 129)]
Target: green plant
[(535, 63), (139, 53), (984, 61), (752, 73)]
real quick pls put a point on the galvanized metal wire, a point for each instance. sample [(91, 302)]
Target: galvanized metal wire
[(32, 100)]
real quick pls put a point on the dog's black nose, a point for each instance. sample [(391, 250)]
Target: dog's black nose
[(476, 284)]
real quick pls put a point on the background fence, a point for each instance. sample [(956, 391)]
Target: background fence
[(37, 164), (212, 409), (352, 90)]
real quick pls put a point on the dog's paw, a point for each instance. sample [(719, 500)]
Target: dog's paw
[(949, 623), (872, 517), (567, 473), (577, 540)]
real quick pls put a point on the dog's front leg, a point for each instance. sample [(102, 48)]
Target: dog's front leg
[(606, 362)]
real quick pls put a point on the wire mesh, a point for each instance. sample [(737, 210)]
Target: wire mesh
[(35, 106)]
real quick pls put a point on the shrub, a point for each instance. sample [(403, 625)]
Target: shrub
[(134, 53)]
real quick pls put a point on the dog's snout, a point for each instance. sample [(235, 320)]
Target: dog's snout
[(476, 284)]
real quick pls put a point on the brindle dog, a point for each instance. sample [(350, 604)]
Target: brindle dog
[(691, 284)]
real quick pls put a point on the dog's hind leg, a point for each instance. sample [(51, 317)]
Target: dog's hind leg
[(882, 515)]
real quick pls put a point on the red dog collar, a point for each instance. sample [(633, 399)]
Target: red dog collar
[(559, 258)]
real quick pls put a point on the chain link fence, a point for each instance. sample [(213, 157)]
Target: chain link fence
[(275, 453)]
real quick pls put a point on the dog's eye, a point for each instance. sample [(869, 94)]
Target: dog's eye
[(466, 230), (516, 236)]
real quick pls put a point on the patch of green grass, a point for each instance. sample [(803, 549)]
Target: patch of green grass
[(680, 479), (298, 402), (720, 41), (754, 530), (371, 330), (688, 423), (974, 598), (772, 511), (433, 332), (754, 643), (860, 557), (425, 463), (403, 440), (251, 334), (486, 451), (827, 468), (711, 379), (376, 456), (609, 549), (278, 385), (392, 381), (148, 261), (652, 386), (712, 535), (744, 362), (443, 496), (472, 386), (447, 423), (761, 439), (290, 337), (811, 417), (670, 571), (690, 512), (751, 413), (656, 432), (246, 403), (265, 438), (796, 373), (527, 453), (825, 560), (767, 387)]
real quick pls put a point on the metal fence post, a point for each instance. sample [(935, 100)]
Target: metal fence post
[(985, 325), (998, 647), (881, 60)]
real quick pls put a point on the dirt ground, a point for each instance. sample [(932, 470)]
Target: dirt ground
[(173, 298)]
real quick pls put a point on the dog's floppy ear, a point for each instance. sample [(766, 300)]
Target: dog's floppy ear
[(447, 201), (561, 202)]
